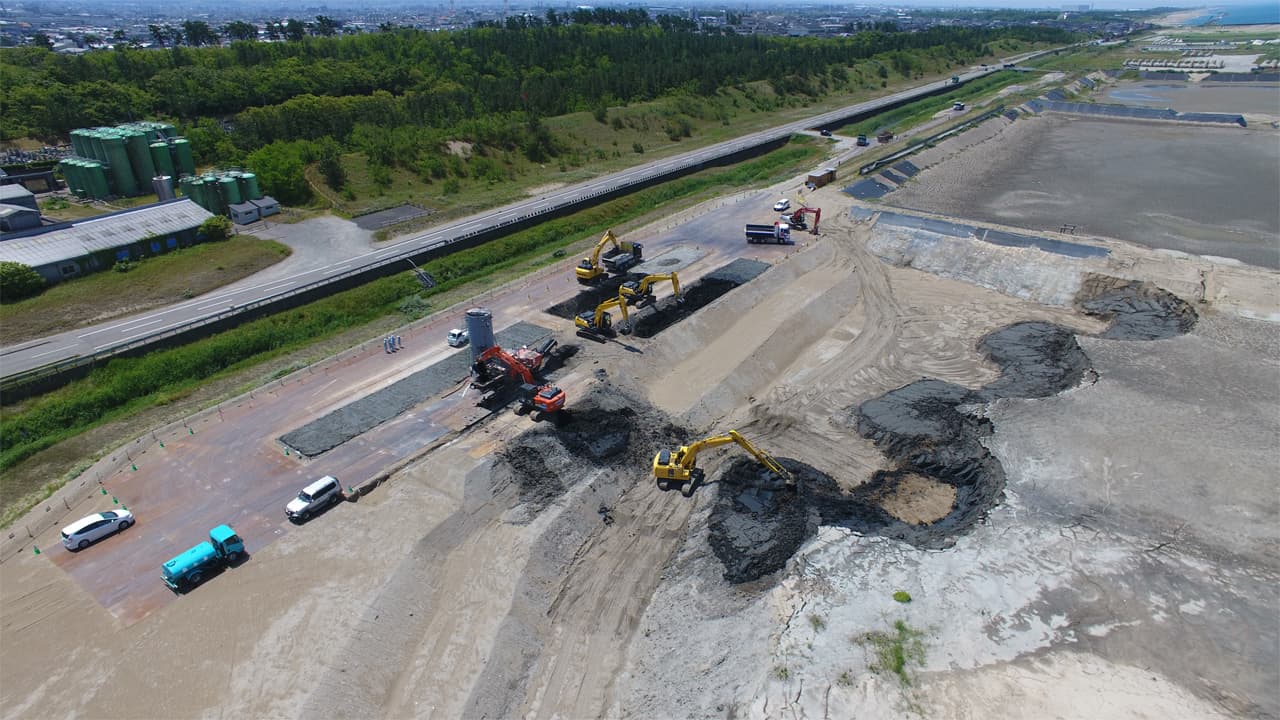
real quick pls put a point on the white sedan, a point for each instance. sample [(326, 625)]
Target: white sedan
[(87, 530)]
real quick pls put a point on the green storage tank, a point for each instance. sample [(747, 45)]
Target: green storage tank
[(185, 163), (161, 158), (230, 190), (135, 143), (217, 204), (121, 171), (71, 174), (98, 186), (80, 172), (184, 188), (77, 142), (96, 151), (166, 129), (197, 192), (251, 191)]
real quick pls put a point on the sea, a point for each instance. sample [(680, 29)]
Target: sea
[(1268, 13)]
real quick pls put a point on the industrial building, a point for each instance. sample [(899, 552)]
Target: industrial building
[(84, 246)]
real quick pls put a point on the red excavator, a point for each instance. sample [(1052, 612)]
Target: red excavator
[(796, 219), (495, 367), (540, 400)]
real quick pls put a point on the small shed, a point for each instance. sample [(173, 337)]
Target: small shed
[(15, 194), (818, 178), (243, 213), (267, 206), (18, 217)]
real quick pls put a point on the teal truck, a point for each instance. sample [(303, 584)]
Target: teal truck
[(189, 568)]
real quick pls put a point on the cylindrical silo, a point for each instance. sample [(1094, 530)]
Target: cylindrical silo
[(251, 191), (97, 180), (162, 186), (161, 158), (80, 172), (121, 171), (70, 173), (135, 143), (480, 328), (96, 151), (77, 142), (167, 130), (230, 191), (185, 163), (197, 192)]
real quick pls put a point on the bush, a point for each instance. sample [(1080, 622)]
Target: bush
[(18, 281), (216, 228)]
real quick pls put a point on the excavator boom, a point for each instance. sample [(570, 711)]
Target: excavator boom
[(598, 324), (619, 259), (641, 290), (681, 467)]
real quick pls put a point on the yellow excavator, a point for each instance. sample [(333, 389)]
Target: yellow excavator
[(598, 324), (681, 467), (620, 258), (640, 291)]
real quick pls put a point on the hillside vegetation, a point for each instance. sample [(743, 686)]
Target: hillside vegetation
[(452, 110)]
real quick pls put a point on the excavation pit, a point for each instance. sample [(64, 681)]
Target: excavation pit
[(668, 311)]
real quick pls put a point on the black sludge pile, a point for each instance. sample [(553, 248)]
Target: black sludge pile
[(1137, 310), (605, 428)]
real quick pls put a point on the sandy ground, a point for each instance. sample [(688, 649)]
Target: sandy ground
[(1128, 569)]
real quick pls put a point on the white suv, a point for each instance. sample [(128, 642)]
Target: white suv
[(321, 493), (458, 337), (85, 531), (781, 205)]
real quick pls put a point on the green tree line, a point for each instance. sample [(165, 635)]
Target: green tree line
[(427, 77)]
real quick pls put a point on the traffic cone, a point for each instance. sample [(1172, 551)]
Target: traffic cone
[(114, 501), (191, 431), (36, 549), (135, 469), (103, 489), (161, 443)]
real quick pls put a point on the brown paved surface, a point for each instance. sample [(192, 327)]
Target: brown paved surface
[(232, 470)]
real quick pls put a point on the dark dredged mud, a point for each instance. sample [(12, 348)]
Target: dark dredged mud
[(606, 427), (1036, 359), (1137, 310), (668, 311), (587, 298)]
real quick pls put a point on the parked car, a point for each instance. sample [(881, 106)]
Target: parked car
[(459, 337), (825, 133), (319, 494), (781, 205), (88, 530)]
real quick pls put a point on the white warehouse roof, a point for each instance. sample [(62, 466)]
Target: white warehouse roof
[(108, 232)]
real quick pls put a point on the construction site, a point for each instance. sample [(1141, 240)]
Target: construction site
[(955, 453)]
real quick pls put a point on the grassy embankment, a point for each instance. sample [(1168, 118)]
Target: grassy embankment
[(148, 283), (39, 437)]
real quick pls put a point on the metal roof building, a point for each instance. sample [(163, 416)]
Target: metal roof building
[(70, 249)]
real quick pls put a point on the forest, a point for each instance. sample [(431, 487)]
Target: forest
[(399, 95)]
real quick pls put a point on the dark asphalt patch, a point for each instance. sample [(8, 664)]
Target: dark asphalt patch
[(348, 421), (587, 299), (868, 189)]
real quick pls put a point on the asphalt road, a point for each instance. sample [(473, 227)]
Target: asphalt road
[(98, 342)]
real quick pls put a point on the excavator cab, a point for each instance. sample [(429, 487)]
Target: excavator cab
[(543, 400), (598, 324)]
